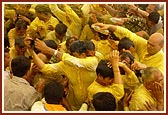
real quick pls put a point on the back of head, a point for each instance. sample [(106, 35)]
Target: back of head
[(104, 70), (53, 92), (78, 46), (60, 28), (154, 17), (90, 45), (104, 101), (20, 65), (125, 43), (51, 44)]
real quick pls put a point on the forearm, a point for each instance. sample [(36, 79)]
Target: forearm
[(126, 69), (36, 59), (110, 10), (117, 75), (112, 28)]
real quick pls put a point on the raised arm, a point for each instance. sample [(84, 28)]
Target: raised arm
[(36, 59), (114, 59)]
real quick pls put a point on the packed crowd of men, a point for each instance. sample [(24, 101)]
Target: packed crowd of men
[(83, 57)]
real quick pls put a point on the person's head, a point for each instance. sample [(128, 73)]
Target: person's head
[(6, 57), (51, 44), (43, 12), (127, 44), (20, 46), (69, 41), (78, 49), (104, 101), (22, 9), (20, 66), (53, 92), (152, 8), (90, 48), (21, 26), (143, 34), (126, 58), (104, 73), (155, 43), (153, 19), (60, 31), (150, 76)]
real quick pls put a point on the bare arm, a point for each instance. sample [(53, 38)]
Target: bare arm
[(138, 10), (36, 59), (114, 59), (106, 26)]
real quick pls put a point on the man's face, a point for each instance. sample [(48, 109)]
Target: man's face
[(156, 78), (105, 81), (150, 8), (20, 50), (153, 46)]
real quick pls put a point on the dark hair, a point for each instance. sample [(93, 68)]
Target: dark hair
[(154, 17), (90, 45), (21, 24), (123, 56), (53, 92), (51, 44), (113, 36), (104, 70), (102, 36), (6, 50), (104, 101), (20, 65), (60, 28), (78, 46), (19, 42), (125, 43)]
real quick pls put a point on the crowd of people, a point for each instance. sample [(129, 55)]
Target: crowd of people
[(84, 57)]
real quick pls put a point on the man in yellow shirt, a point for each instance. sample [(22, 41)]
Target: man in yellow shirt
[(79, 78), (108, 79), (149, 51), (18, 32), (149, 96), (69, 18), (43, 23), (19, 49)]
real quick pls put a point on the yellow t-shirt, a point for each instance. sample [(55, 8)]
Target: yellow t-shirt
[(103, 46), (69, 18), (39, 23), (87, 33), (79, 80), (140, 95), (12, 35), (14, 53), (130, 81), (140, 44), (116, 89)]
